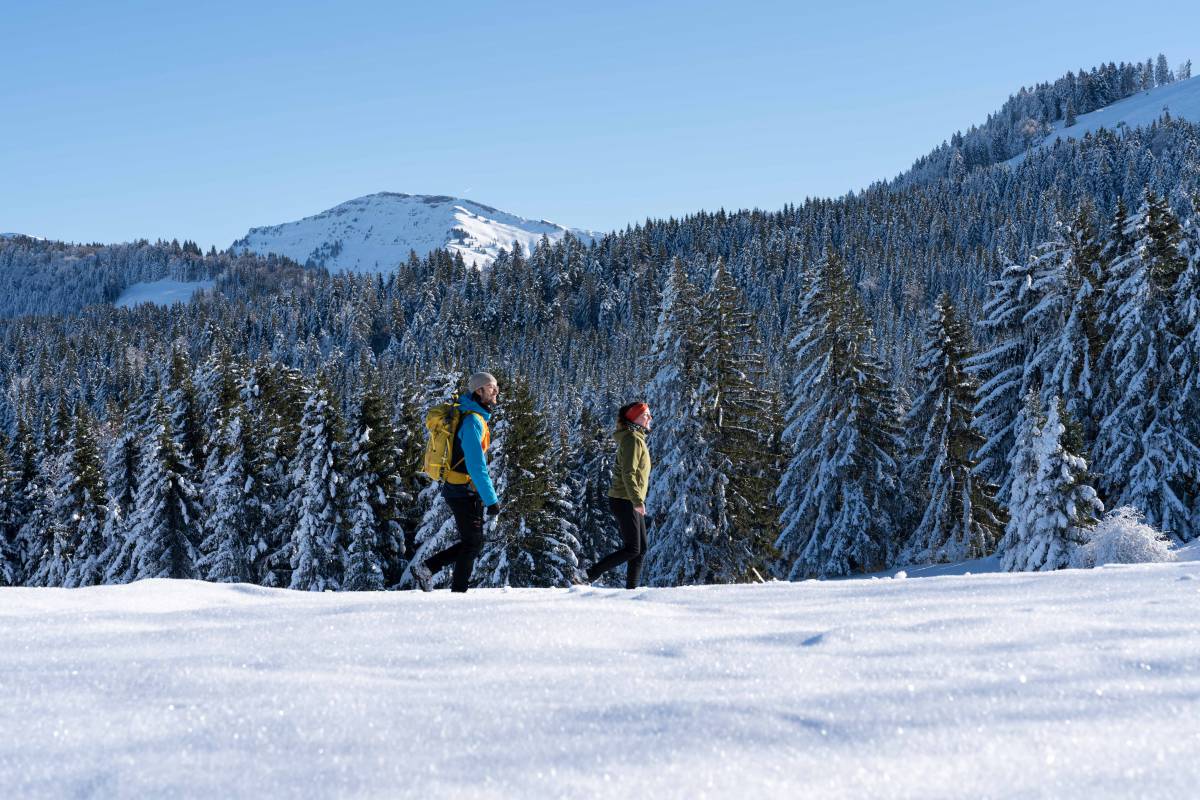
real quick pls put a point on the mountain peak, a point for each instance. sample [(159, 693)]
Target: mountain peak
[(376, 232)]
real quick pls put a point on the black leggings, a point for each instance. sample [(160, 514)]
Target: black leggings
[(468, 516), (633, 544)]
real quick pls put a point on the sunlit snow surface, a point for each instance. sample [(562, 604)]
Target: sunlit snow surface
[(1077, 684), (1181, 99), (163, 293), (377, 232)]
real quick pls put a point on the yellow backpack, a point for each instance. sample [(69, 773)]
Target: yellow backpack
[(442, 423)]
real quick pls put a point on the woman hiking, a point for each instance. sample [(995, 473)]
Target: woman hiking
[(627, 495)]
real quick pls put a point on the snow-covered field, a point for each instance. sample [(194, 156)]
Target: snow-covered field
[(164, 293), (1075, 684), (1181, 99)]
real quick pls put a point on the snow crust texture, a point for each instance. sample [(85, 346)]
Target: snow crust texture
[(1072, 684), (377, 232)]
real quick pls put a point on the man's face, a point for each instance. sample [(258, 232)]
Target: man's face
[(489, 393)]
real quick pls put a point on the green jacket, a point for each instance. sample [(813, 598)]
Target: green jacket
[(631, 474)]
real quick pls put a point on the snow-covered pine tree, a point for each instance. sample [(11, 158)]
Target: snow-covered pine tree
[(838, 492), (235, 500), (10, 558), (364, 562), (274, 396), (686, 476), (959, 518), (738, 415), (534, 541), (316, 501), (1185, 359), (1000, 369), (1144, 451), (377, 550), (121, 467), (410, 445), (1052, 503), (1119, 240), (79, 509), (166, 518), (1071, 369), (28, 514), (47, 551), (184, 407)]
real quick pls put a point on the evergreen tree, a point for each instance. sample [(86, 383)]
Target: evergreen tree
[(317, 495), (184, 407), (364, 563), (687, 475), (274, 397), (839, 488), (960, 518), (1145, 453), (1052, 504), (375, 478), (166, 515), (236, 503), (1075, 353), (410, 444), (121, 467), (1000, 369), (10, 557), (1185, 358), (80, 511)]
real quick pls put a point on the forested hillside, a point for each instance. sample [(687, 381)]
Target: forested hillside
[(839, 385)]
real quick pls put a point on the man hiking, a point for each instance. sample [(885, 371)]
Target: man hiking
[(467, 486)]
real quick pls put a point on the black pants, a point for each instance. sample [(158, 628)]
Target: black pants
[(468, 515), (633, 544)]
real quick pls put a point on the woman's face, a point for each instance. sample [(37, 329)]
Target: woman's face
[(645, 419)]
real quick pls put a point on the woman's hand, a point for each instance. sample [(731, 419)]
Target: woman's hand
[(640, 509)]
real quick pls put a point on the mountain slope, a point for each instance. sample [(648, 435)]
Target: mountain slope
[(378, 231), (1181, 99)]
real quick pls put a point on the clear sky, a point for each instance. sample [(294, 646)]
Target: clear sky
[(123, 120)]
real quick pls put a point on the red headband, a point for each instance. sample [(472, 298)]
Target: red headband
[(636, 410)]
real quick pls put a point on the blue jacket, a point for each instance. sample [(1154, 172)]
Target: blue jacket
[(470, 436)]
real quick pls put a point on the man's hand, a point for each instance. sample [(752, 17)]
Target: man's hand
[(640, 509), (492, 510)]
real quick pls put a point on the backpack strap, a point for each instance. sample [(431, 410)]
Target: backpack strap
[(455, 444)]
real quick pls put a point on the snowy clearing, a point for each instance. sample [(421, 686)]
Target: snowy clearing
[(162, 293), (1182, 99), (1068, 684)]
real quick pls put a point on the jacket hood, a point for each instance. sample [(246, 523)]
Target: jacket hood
[(624, 433), (468, 403)]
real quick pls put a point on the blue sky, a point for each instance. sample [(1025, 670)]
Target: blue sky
[(125, 120)]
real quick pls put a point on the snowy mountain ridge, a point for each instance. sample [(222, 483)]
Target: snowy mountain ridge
[(376, 232), (1180, 99)]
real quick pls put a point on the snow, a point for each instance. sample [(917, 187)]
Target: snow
[(376, 232), (1181, 98), (1070, 684), (163, 293)]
